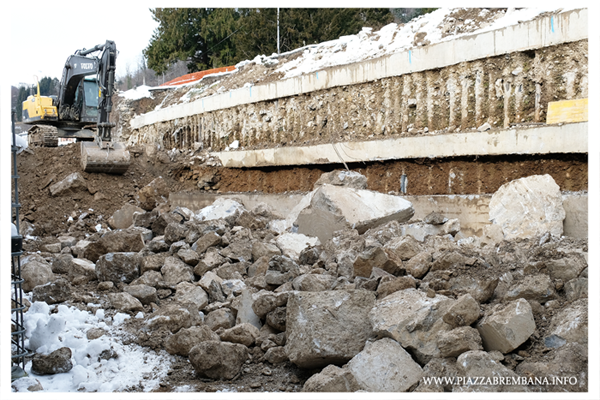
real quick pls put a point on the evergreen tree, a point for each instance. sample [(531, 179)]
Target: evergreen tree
[(21, 97), (214, 37)]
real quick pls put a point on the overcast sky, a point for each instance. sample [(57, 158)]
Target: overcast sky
[(45, 35)]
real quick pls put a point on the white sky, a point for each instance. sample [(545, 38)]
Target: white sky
[(45, 35)]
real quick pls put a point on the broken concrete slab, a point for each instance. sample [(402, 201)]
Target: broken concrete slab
[(327, 327), (528, 207), (333, 208), (506, 326), (384, 366)]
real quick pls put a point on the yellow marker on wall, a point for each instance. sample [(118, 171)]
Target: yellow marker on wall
[(567, 111)]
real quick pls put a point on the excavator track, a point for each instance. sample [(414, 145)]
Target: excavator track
[(113, 160)]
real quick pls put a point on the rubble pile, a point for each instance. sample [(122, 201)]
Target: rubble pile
[(363, 302)]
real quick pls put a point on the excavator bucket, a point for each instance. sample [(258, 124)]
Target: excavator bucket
[(111, 160)]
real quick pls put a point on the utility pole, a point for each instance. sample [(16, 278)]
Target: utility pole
[(277, 30)]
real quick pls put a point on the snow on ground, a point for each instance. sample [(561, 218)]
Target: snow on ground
[(49, 328), (390, 39)]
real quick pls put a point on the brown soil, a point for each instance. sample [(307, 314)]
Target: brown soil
[(107, 193)]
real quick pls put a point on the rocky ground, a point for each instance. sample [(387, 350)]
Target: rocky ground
[(244, 305)]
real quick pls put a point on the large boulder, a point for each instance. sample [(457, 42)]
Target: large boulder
[(528, 207), (384, 366), (327, 327), (333, 208)]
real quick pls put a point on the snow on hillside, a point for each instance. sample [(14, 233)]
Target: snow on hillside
[(441, 25)]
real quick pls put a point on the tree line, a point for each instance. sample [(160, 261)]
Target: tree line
[(216, 37)]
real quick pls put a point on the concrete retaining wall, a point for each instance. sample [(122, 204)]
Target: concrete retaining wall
[(501, 77)]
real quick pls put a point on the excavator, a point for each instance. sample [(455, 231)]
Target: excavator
[(82, 108)]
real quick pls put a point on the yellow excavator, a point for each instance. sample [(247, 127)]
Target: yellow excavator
[(82, 108)]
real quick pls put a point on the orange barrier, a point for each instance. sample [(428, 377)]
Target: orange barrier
[(195, 76)]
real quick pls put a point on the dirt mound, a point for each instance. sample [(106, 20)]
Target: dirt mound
[(42, 167)]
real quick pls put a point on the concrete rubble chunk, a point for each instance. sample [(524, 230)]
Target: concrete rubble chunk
[(245, 312), (419, 265), (57, 362), (276, 355), (459, 340), (571, 323), (153, 194), (81, 267), (537, 287), (376, 257), (463, 312), (332, 379), (444, 368), (123, 217), (506, 326), (345, 178), (313, 282), (61, 263), (391, 285), (412, 319), (186, 292), (264, 249), (479, 287), (118, 267), (528, 207), (244, 334), (478, 363), (327, 327), (384, 366), (183, 341), (210, 239), (175, 271), (402, 248), (173, 317), (333, 208), (54, 292), (35, 272), (222, 208), (292, 244), (144, 293), (72, 183), (125, 302), (218, 360), (576, 289), (221, 318)]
